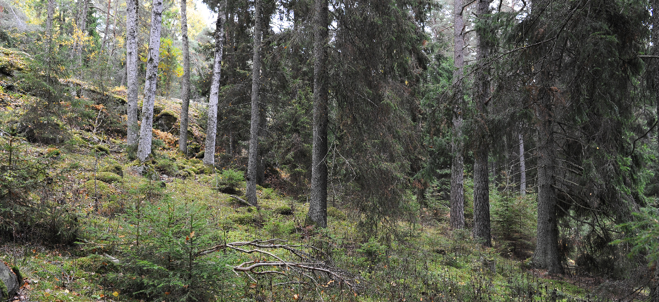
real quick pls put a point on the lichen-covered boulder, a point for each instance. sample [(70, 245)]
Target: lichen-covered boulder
[(9, 282)]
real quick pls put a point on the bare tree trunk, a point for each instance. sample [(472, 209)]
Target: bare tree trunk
[(481, 177), (131, 72), (318, 202), (82, 25), (146, 128), (185, 85), (114, 30), (49, 18), (654, 287), (522, 165), (457, 165), (211, 128), (546, 254), (254, 123), (107, 26)]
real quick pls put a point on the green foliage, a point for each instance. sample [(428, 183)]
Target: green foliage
[(163, 262), (113, 168), (230, 178), (372, 250), (642, 233), (336, 213), (283, 210), (514, 223)]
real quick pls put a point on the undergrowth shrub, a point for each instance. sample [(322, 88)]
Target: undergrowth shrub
[(162, 261), (27, 213), (514, 224)]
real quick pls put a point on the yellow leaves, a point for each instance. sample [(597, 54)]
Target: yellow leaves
[(116, 294)]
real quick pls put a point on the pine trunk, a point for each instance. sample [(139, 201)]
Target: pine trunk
[(654, 297), (481, 177), (185, 84), (107, 26), (131, 72), (146, 128), (457, 165), (546, 254), (522, 165), (211, 128), (318, 202), (254, 123)]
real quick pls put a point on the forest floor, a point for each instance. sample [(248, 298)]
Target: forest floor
[(93, 191)]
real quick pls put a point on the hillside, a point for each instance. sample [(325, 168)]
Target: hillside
[(82, 224)]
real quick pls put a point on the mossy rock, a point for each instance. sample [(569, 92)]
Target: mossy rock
[(96, 264), (245, 219), (166, 166), (102, 149), (102, 188), (336, 213), (166, 121), (185, 173), (108, 177), (284, 210), (113, 168)]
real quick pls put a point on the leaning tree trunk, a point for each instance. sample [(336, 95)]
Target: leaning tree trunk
[(185, 84), (146, 134), (131, 73), (546, 255), (481, 177), (211, 128), (254, 123), (457, 165), (318, 202)]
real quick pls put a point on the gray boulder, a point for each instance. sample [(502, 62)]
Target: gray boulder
[(9, 285)]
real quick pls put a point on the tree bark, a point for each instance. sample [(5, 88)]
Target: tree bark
[(654, 296), (146, 128), (211, 128), (318, 201), (481, 177), (522, 165), (457, 146), (185, 84), (107, 26), (254, 123), (131, 72), (546, 254)]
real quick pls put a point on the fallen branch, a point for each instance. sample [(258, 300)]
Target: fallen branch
[(278, 265)]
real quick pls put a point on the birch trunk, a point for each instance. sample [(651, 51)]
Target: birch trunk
[(146, 134), (254, 123), (318, 202), (131, 72), (211, 128), (481, 229), (185, 85), (457, 164)]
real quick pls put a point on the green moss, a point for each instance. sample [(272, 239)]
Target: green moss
[(113, 168), (283, 210), (108, 177), (186, 173), (101, 188), (336, 213), (52, 152), (244, 219), (19, 276), (166, 166), (102, 149)]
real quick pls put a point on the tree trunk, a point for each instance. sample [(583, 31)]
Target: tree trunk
[(211, 128), (146, 128), (131, 72), (318, 201), (107, 26), (457, 165), (522, 165), (654, 296), (82, 25), (49, 18), (185, 84), (254, 123), (481, 177), (546, 254)]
